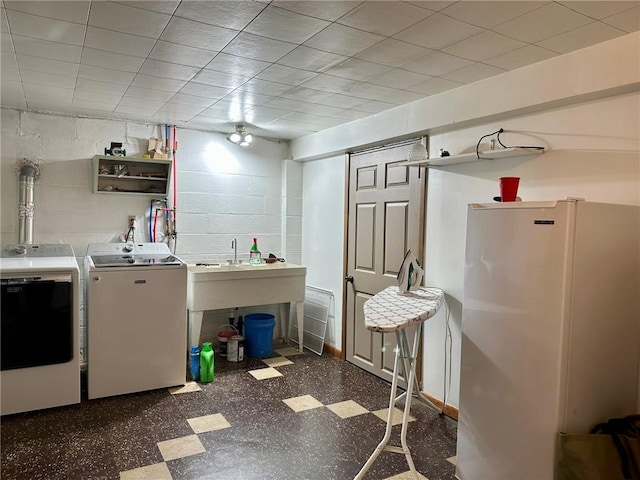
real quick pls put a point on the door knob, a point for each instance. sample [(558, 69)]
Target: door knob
[(348, 278)]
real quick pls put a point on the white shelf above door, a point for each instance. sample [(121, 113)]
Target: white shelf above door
[(472, 157)]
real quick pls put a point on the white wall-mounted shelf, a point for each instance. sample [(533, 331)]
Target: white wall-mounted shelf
[(472, 157), (131, 175)]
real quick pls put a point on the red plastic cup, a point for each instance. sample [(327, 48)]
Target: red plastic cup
[(509, 188)]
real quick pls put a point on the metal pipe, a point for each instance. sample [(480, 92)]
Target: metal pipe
[(29, 173)]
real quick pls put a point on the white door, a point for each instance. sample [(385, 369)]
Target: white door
[(385, 219)]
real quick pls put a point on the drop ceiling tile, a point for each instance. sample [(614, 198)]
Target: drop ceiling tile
[(5, 42), (304, 94), (123, 18), (343, 101), (161, 6), (369, 91), (47, 79), (263, 87), (398, 78), (483, 45), (267, 113), (437, 31), (374, 106), (12, 94), (384, 18), (285, 104), (473, 73), (600, 10), (44, 93), (548, 21), (393, 52), (116, 61), (289, 126), (399, 96), (87, 106), (49, 101), (196, 34), (306, 58), (97, 97), (203, 90), (193, 100), (168, 70), (521, 57), (349, 115), (357, 69), (436, 64), (46, 49), (100, 87), (136, 109), (284, 74), (158, 83), (299, 27), (318, 120), (258, 48), (45, 28), (118, 42), (149, 94), (98, 73), (324, 110), (9, 67), (147, 104), (436, 85), (326, 10), (488, 14), (69, 11), (204, 121), (629, 20), (27, 62), (4, 25), (223, 62), (343, 40), (247, 99), (220, 79), (182, 54), (581, 37), (228, 14), (327, 83), (178, 111)]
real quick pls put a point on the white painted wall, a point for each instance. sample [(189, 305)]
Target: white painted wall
[(322, 229), (224, 191), (584, 107)]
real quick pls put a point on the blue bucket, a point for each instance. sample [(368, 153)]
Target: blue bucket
[(258, 330)]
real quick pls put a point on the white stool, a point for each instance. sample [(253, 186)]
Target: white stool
[(393, 311)]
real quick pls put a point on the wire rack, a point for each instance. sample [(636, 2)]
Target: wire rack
[(318, 308)]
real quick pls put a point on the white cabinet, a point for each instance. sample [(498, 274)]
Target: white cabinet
[(131, 175)]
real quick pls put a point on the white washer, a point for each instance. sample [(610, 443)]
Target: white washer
[(136, 300), (40, 366)]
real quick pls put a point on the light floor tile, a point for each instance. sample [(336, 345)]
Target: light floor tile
[(277, 361), (406, 476), (305, 402), (208, 423), (186, 388), (453, 460), (397, 416), (158, 471), (262, 373), (347, 409), (289, 351), (180, 447)]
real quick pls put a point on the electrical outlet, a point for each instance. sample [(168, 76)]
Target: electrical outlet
[(132, 221)]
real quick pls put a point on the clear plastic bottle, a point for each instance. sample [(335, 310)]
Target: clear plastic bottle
[(254, 253), (206, 363)]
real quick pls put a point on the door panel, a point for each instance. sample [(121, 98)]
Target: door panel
[(385, 219)]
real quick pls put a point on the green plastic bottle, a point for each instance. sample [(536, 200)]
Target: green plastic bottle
[(254, 253), (206, 363)]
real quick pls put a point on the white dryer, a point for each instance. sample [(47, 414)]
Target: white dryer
[(40, 364), (136, 301)]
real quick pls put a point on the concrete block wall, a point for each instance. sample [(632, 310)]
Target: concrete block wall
[(224, 191)]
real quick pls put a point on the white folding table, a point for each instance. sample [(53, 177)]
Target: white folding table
[(394, 311)]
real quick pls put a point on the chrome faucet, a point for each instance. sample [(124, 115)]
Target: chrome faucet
[(234, 245)]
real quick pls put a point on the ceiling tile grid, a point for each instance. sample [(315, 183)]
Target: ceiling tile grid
[(283, 68)]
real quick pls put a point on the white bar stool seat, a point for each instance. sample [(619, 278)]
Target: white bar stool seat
[(394, 311)]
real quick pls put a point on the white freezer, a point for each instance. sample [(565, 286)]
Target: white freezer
[(550, 331)]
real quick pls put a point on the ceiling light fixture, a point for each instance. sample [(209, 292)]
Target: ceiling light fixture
[(240, 137)]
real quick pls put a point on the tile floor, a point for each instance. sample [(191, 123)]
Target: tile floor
[(298, 417)]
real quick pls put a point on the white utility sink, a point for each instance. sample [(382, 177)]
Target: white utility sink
[(219, 286)]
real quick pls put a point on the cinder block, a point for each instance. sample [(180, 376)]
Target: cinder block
[(101, 130), (47, 126), (56, 149), (10, 120), (28, 147), (294, 206), (139, 132)]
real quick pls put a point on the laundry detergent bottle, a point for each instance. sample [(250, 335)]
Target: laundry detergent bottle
[(206, 363), (195, 363)]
